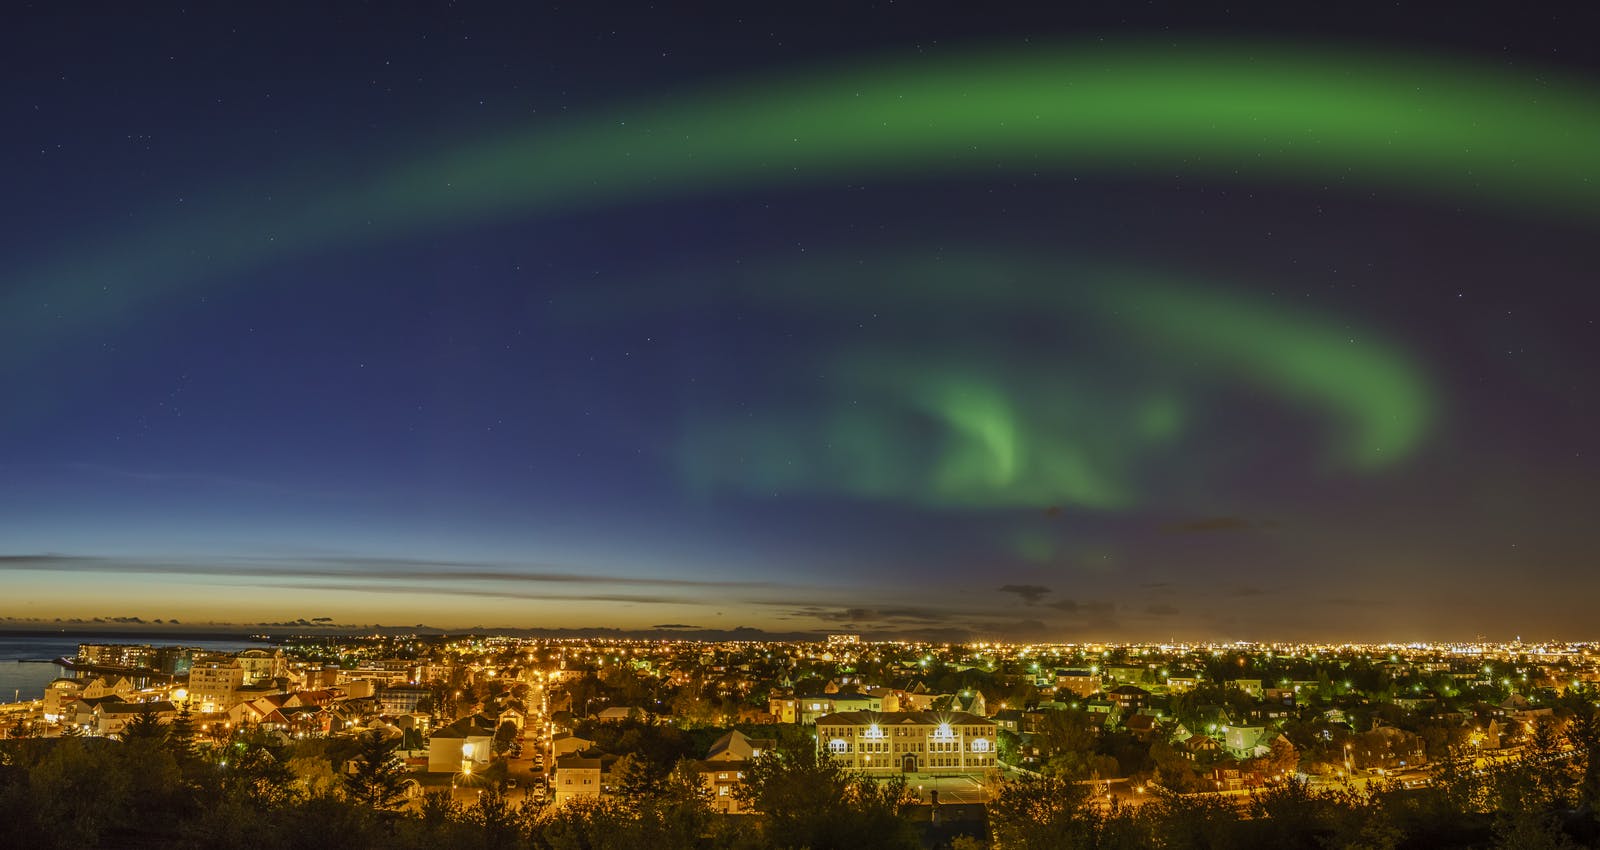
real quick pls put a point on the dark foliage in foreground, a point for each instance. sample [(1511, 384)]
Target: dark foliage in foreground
[(157, 787)]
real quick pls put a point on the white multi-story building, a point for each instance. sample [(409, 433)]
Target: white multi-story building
[(936, 742), (261, 666), (214, 684)]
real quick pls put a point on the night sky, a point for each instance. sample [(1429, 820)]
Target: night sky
[(1157, 322)]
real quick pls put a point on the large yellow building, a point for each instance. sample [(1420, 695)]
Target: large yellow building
[(936, 742)]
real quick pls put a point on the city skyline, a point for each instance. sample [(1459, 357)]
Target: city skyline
[(1102, 325)]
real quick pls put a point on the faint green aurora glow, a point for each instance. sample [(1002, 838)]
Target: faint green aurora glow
[(1042, 426)]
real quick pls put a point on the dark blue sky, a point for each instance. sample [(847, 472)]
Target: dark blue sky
[(514, 317)]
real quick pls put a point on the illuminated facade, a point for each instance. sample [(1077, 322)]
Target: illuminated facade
[(464, 747), (934, 742), (214, 684), (261, 666), (577, 776)]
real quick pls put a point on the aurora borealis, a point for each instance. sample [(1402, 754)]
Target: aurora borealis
[(1018, 434), (1241, 332)]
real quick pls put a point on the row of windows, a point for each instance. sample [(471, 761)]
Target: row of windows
[(873, 732), (841, 746), (932, 762)]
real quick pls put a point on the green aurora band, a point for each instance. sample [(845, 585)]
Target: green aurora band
[(1079, 422), (1230, 110)]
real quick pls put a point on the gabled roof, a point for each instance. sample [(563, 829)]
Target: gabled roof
[(601, 763), (899, 718), (737, 746), (712, 766), (475, 726), (119, 707), (1140, 723)]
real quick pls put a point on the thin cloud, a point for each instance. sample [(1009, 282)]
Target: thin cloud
[(877, 615), (487, 593), (1073, 606), (1030, 594), (365, 568), (1207, 525)]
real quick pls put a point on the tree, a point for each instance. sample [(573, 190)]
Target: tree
[(1067, 741), (1283, 758), (1041, 814), (499, 825), (378, 779), (1583, 734), (636, 778), (1009, 744), (809, 800), (505, 737), (145, 726), (1525, 830), (180, 737), (253, 768)]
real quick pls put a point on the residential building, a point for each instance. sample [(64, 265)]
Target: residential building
[(111, 717), (813, 707), (1252, 687), (214, 684), (1083, 683), (117, 654), (577, 776), (262, 666), (566, 744), (723, 769), (1246, 741), (462, 747), (57, 694), (403, 699)]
